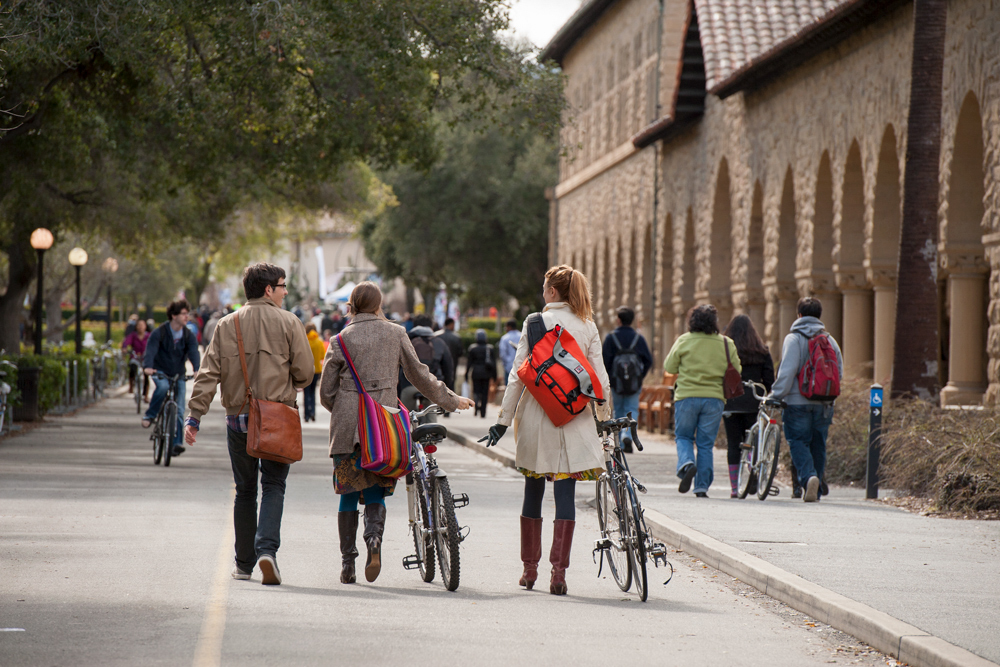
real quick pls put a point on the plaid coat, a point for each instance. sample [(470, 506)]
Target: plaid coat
[(378, 348)]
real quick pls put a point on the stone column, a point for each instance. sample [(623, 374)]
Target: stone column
[(966, 347), (885, 329), (858, 333), (833, 314)]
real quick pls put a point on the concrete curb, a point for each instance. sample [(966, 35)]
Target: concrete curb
[(890, 635)]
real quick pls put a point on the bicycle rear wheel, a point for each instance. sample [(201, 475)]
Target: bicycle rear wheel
[(422, 539), (170, 432), (747, 475), (768, 460), (443, 506), (612, 530), (636, 544)]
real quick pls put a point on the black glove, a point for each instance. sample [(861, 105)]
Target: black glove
[(496, 432)]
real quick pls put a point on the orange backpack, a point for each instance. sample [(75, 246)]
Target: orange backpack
[(556, 372)]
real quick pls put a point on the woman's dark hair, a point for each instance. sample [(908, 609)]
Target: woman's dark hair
[(749, 345), (176, 307), (704, 319), (257, 277)]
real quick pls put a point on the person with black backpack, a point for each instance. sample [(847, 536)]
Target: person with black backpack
[(433, 353), (482, 365), (627, 360)]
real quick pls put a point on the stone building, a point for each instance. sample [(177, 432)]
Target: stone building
[(749, 152)]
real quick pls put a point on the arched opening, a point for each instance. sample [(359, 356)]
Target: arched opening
[(967, 298), (858, 299), (630, 290), (665, 328), (784, 295), (755, 260), (646, 315), (885, 254), (689, 265), (721, 258), (823, 285), (605, 298), (619, 291)]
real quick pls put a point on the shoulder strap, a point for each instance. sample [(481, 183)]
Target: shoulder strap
[(635, 339), (725, 344), (243, 360), (535, 329), (616, 341), (350, 364)]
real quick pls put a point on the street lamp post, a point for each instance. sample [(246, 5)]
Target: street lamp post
[(110, 266), (78, 257), (41, 240)]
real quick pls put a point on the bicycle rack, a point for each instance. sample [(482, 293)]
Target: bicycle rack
[(460, 499)]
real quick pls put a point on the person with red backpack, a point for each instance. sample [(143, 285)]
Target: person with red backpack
[(808, 382)]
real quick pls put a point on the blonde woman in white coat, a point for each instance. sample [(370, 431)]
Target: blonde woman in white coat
[(561, 454)]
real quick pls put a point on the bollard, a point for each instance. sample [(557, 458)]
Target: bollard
[(876, 408), (66, 400), (76, 383)]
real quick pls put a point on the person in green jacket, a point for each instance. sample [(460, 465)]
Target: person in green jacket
[(698, 358)]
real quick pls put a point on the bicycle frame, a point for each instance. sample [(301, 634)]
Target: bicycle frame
[(753, 442)]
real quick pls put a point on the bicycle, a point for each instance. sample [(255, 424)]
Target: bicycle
[(625, 540), (759, 451), (432, 505), (135, 367), (166, 424)]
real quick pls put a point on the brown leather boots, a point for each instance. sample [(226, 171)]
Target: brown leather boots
[(347, 522), (374, 527), (531, 552)]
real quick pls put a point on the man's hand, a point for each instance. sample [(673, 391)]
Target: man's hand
[(496, 432), (190, 433), (465, 403), (148, 371)]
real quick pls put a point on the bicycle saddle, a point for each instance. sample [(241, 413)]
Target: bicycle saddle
[(429, 431)]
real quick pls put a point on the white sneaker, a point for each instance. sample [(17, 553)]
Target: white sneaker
[(812, 490), (239, 574), (270, 576)]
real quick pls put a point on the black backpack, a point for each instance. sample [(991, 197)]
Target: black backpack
[(425, 353), (626, 368)]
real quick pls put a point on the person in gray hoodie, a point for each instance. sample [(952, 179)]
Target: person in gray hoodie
[(806, 421)]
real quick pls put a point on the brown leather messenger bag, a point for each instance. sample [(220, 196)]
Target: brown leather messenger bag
[(274, 431)]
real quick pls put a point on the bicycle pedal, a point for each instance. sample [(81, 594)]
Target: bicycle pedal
[(411, 562), (602, 544), (773, 491), (460, 499)]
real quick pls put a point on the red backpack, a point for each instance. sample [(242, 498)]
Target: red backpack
[(819, 377), (556, 372)]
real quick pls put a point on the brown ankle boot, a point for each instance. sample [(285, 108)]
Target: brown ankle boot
[(531, 550), (562, 543), (347, 522), (374, 527)]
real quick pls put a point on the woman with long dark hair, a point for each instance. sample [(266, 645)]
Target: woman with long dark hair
[(699, 360), (741, 412)]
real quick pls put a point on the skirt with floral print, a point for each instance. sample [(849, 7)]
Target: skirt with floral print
[(582, 476), (350, 477)]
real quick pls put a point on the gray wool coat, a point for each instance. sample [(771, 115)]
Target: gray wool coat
[(378, 349)]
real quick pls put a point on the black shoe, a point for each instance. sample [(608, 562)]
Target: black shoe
[(797, 491), (177, 450), (687, 476), (701, 494), (824, 490)]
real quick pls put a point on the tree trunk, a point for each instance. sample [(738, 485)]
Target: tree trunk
[(915, 363), (21, 269)]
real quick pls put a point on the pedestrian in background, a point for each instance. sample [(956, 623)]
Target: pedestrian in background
[(279, 363), (309, 393), (806, 421), (482, 366), (378, 349), (561, 454), (130, 327), (699, 360), (209, 330), (508, 348), (135, 341), (740, 413), (627, 360), (455, 347)]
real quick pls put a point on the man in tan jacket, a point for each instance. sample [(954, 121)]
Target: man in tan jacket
[(279, 362)]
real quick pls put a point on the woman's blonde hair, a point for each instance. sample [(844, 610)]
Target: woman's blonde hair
[(573, 288), (366, 297)]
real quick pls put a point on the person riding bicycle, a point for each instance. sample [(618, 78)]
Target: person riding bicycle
[(167, 349), (136, 342)]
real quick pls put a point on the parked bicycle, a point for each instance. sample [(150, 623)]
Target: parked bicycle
[(432, 505), (759, 452), (167, 422), (625, 540)]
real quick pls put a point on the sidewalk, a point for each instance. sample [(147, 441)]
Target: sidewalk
[(940, 575)]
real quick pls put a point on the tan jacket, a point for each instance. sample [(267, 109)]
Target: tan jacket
[(542, 446), (279, 360), (378, 348)]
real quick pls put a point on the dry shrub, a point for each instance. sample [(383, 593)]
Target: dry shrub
[(847, 441)]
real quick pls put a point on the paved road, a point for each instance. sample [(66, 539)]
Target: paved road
[(106, 559), (937, 574)]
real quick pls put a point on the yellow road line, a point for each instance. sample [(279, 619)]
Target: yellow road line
[(208, 652)]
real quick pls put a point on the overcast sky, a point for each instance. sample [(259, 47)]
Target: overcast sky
[(538, 20)]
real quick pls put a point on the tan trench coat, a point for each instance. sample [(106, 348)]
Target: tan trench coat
[(543, 447), (378, 348)]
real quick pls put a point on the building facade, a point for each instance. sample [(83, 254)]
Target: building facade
[(746, 153)]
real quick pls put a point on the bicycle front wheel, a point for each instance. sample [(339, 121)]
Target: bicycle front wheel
[(747, 475), (768, 460), (613, 530), (422, 539), (443, 506), (636, 544), (170, 432)]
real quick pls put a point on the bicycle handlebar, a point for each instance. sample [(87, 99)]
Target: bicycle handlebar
[(173, 378), (615, 425), (431, 409)]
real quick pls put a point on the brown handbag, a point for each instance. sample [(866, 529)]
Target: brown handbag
[(274, 431), (732, 382)]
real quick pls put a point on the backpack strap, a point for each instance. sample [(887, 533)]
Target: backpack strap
[(617, 342), (635, 339), (535, 329)]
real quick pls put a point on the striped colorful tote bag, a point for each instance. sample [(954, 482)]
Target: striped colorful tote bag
[(384, 432)]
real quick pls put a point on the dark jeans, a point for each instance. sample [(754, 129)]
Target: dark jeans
[(806, 427), (309, 398), (737, 425), (481, 393), (255, 538)]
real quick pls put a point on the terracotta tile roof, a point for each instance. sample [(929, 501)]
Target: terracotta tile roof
[(735, 33)]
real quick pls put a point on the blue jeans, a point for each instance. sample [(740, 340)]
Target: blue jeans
[(696, 421), (806, 427), (309, 398), (625, 403), (255, 538), (159, 395)]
